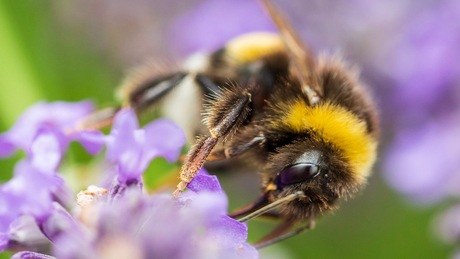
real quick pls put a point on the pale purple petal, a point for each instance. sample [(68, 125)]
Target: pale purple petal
[(131, 149), (24, 232), (92, 141), (123, 147), (4, 238), (207, 205), (56, 115), (422, 163), (205, 182), (228, 232), (122, 134), (62, 114), (6, 147), (71, 239), (8, 211), (31, 189), (59, 222), (47, 149), (164, 138), (71, 245), (247, 251)]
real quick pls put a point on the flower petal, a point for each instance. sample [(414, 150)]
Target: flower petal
[(7, 148), (92, 141), (165, 138), (205, 182), (228, 232), (56, 115), (123, 148), (47, 150)]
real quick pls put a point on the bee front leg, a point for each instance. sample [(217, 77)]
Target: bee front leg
[(224, 115), (234, 150), (283, 231)]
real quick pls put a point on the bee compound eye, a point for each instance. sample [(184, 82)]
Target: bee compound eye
[(298, 173)]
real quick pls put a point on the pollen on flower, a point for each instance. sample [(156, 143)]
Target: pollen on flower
[(88, 196), (87, 207)]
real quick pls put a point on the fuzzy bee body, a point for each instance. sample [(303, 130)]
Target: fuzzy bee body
[(307, 124), (280, 126)]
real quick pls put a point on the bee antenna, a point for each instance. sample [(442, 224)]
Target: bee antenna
[(272, 206)]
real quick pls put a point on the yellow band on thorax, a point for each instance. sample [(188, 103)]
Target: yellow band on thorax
[(252, 46)]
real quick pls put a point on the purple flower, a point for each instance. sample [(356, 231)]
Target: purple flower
[(131, 149), (42, 131), (133, 225), (58, 118), (33, 187), (29, 192), (193, 226), (423, 164)]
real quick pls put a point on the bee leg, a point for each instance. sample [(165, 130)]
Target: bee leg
[(234, 151), (207, 85), (143, 96), (281, 232), (151, 91), (226, 114), (97, 120), (259, 203), (278, 234)]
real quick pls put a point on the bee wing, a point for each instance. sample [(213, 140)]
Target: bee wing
[(300, 56)]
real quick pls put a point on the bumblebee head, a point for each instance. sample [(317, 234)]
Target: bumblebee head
[(329, 156), (317, 170)]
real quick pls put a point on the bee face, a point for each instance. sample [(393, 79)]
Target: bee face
[(314, 168)]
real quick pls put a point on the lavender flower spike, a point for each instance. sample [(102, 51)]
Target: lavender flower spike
[(138, 226), (134, 225), (131, 149)]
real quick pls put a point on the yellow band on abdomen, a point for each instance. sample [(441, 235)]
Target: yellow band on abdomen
[(338, 126)]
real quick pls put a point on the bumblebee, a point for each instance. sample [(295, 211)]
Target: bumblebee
[(306, 122)]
